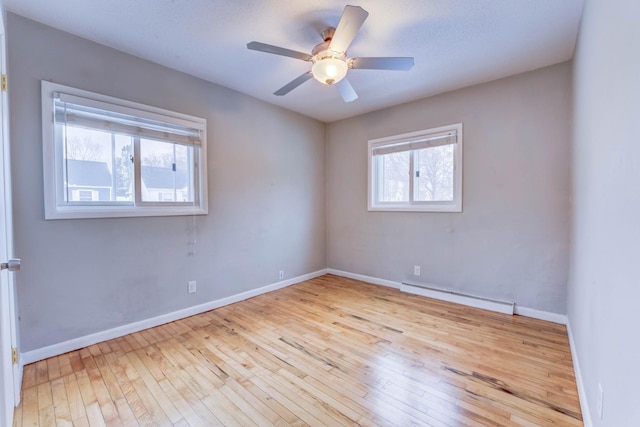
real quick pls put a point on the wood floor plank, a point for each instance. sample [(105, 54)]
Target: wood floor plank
[(29, 376), (42, 374), (327, 351), (94, 415), (17, 417), (45, 399), (76, 361), (65, 365), (239, 370), (186, 411), (160, 399), (60, 403), (81, 422), (135, 404), (47, 416), (177, 380), (125, 414), (74, 398), (29, 406)]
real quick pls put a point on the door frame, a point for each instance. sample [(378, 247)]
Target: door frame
[(11, 374)]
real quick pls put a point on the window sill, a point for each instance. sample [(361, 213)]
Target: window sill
[(80, 212), (448, 207)]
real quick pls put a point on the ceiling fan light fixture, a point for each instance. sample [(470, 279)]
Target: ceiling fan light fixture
[(329, 58), (329, 70)]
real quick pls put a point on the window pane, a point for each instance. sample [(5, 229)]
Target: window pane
[(393, 177), (98, 167), (434, 174), (167, 171)]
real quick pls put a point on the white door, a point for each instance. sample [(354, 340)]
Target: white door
[(10, 374)]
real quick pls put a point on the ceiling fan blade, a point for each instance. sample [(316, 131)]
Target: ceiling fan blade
[(350, 22), (276, 50), (293, 84), (346, 90), (382, 63)]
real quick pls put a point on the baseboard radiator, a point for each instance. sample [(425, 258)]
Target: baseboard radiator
[(429, 291)]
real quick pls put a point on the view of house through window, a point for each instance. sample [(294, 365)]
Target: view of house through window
[(110, 157), (99, 168), (166, 171), (97, 163)]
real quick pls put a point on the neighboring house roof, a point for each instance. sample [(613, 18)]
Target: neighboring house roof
[(88, 173), (157, 177)]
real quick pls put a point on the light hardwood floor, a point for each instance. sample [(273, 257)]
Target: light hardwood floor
[(329, 351)]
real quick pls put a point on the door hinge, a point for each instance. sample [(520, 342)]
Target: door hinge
[(14, 355), (4, 83)]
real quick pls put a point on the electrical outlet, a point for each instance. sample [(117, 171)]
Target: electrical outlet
[(192, 287), (416, 270), (281, 275), (600, 400)]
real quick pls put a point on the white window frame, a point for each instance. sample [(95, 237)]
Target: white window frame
[(411, 140), (54, 203)]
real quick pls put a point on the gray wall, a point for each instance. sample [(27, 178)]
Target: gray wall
[(267, 177), (604, 285), (511, 240), (266, 198)]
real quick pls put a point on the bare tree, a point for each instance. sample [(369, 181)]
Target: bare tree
[(433, 174), (124, 172), (166, 159), (435, 167), (84, 148), (396, 176), (162, 160)]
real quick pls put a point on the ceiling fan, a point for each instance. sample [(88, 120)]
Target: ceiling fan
[(329, 58)]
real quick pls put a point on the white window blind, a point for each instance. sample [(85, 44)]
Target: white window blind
[(417, 143), (93, 114)]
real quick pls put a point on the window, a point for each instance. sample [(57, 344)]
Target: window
[(107, 157), (85, 195), (418, 171)]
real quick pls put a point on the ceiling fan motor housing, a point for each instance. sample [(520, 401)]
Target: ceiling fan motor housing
[(329, 66)]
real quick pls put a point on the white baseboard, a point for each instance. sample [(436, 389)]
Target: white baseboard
[(584, 403), (539, 314), (87, 340), (363, 278)]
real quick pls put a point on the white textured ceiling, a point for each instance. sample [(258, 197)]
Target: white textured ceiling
[(455, 43)]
